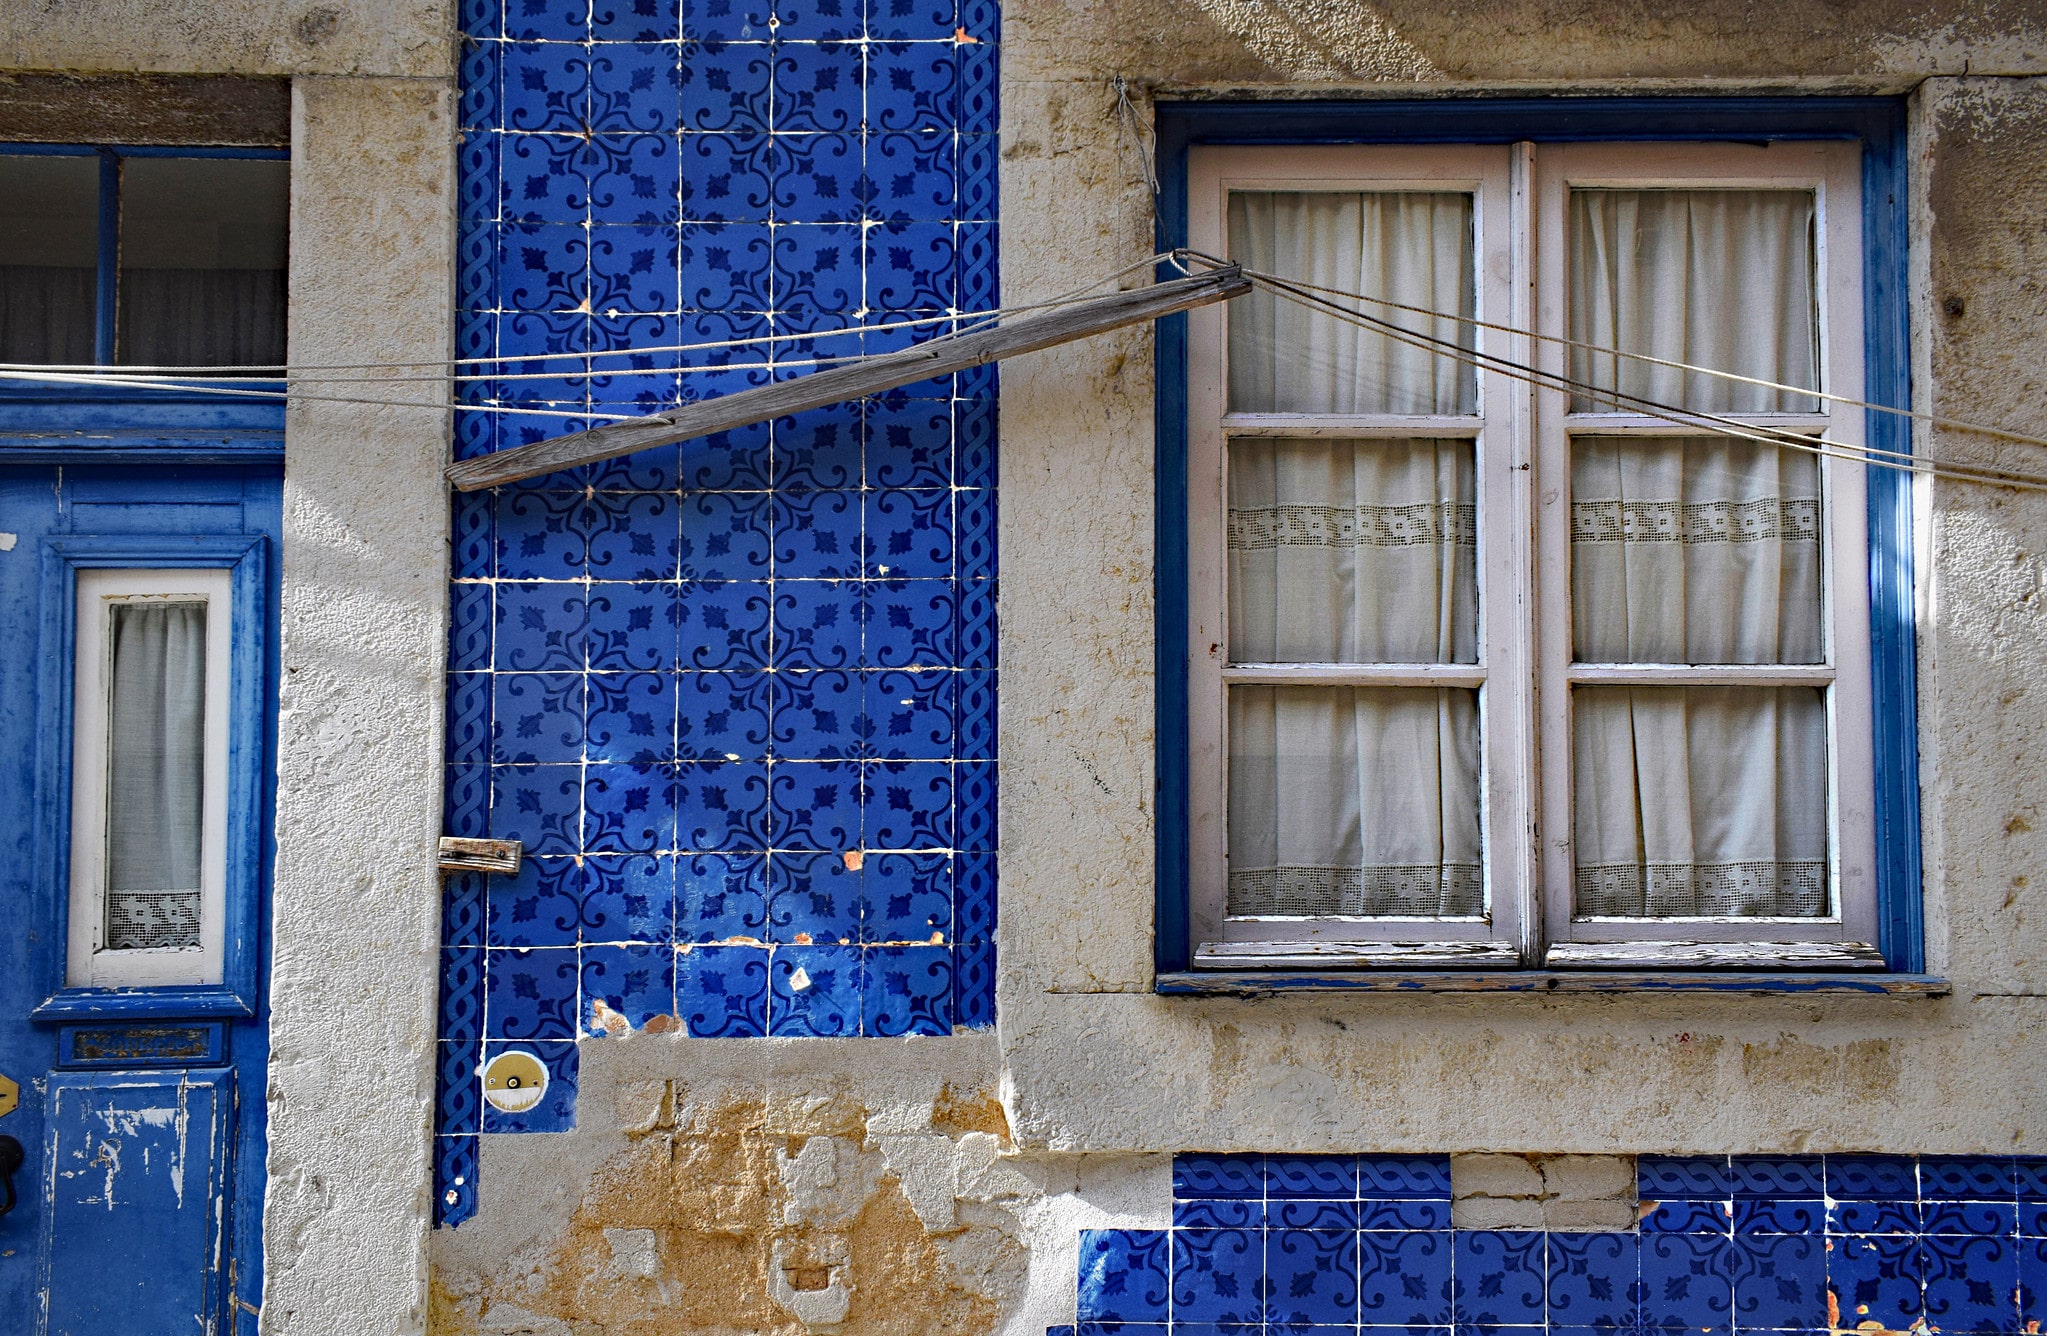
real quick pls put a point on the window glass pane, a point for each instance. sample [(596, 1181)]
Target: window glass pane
[(1352, 551), (1714, 278), (1354, 801), (49, 258), (1409, 247), (202, 261), (156, 719), (1694, 550), (1700, 801)]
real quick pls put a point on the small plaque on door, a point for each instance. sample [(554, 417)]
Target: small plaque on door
[(10, 1095), (152, 1045)]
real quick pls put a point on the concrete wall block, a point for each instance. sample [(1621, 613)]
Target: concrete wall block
[(1587, 1176), (1484, 1175), (1496, 1213), (1605, 1214)]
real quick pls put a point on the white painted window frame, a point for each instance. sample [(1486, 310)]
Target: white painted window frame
[(1502, 504), (88, 964), (1521, 436)]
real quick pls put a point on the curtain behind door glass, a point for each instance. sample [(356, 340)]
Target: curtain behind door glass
[(202, 261), (1405, 246), (1715, 278), (156, 722), (49, 230)]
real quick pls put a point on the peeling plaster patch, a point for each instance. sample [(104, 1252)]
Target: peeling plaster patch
[(1320, 39)]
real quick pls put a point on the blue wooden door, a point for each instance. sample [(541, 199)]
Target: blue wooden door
[(140, 1102)]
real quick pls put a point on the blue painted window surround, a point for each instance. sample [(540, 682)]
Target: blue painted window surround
[(244, 556), (1877, 123)]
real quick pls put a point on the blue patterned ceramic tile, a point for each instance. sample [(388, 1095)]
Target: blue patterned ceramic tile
[(1779, 1215), (725, 536), (468, 798), (815, 991), (814, 898), (907, 899), (556, 1111), (1872, 1177), (1876, 1280), (1294, 1176), (1218, 1213), (909, 534), (1780, 1283), (541, 627), (636, 20), (722, 991), (1979, 1219), (1239, 1176), (721, 807), (454, 1179), (723, 624), (906, 990), (2031, 1175), (1874, 1217), (1311, 1213), (721, 896), (541, 906), (723, 716), (1405, 1279), (2033, 1219), (468, 737), (470, 626), (818, 535), (1987, 1178), (2032, 1295), (912, 624), (725, 177), (462, 909), (974, 910), (1218, 1275), (818, 452), (629, 717), (909, 805), (1499, 1278), (1311, 1276), (1123, 1275), (635, 982), (1594, 1280), (1687, 1217), (1688, 1281), (531, 994), (973, 985), (912, 267), (537, 718), (1404, 1213), (819, 715), (818, 624), (1971, 1283), (818, 805), (628, 899), (1660, 1176), (1778, 1176), (1392, 1176), (628, 808)]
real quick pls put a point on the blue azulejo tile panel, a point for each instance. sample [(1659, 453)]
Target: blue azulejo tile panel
[(1818, 1244), (736, 697)]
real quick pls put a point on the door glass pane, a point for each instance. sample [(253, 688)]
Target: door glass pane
[(1354, 801), (1411, 247), (156, 725), (1713, 278), (1700, 801), (1352, 551), (49, 238), (202, 261), (1694, 550)]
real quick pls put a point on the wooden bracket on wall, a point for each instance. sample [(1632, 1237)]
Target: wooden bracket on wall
[(500, 856)]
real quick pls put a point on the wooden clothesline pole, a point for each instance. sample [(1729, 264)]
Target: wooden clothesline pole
[(856, 380)]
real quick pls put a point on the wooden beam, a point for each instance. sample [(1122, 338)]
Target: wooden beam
[(856, 380)]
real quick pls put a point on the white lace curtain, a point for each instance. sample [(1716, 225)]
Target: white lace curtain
[(156, 721), (1689, 800)]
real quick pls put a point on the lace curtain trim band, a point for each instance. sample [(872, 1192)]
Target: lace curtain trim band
[(1792, 889), (1431, 889), (1762, 520), (1430, 523), (147, 920)]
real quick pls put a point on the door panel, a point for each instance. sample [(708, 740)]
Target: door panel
[(134, 1179), (173, 1098)]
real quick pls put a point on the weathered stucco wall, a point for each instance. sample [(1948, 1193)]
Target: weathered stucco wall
[(281, 37), (1081, 1029), (778, 1186)]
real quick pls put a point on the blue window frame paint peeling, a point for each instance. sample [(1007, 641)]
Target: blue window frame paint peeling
[(1877, 123), (738, 697), (244, 556)]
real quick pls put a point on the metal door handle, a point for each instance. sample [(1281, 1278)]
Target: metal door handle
[(11, 1157)]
